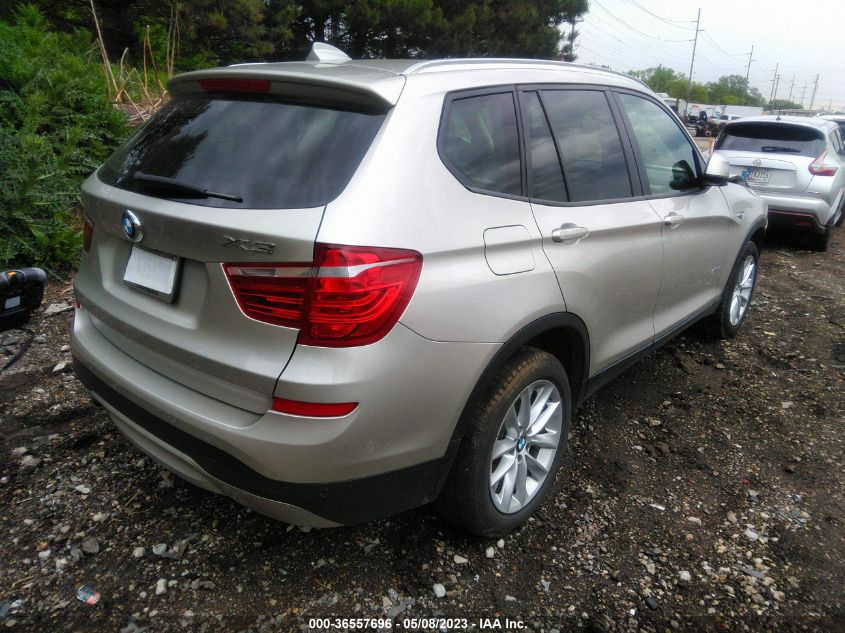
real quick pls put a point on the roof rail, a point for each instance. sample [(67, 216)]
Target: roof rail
[(431, 63)]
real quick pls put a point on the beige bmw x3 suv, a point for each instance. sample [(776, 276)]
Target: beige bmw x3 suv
[(338, 289)]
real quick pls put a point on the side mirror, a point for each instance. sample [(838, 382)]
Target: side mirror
[(718, 172)]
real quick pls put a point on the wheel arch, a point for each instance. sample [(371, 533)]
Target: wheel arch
[(757, 234), (561, 334)]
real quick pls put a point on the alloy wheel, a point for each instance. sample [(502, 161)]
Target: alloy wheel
[(742, 290), (526, 445)]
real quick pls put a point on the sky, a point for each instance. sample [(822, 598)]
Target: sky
[(804, 39)]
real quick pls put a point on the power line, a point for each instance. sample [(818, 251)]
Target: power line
[(710, 39), (665, 52), (662, 19), (716, 66), (618, 19)]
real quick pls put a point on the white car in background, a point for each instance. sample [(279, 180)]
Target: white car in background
[(796, 164)]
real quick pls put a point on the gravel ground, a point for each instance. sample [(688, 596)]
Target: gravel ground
[(702, 490)]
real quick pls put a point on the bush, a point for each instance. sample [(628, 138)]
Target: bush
[(56, 126)]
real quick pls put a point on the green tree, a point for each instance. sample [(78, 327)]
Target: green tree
[(227, 31), (728, 90), (664, 79), (56, 126), (784, 104), (755, 98)]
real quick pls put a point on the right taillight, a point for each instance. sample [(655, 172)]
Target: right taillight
[(87, 233), (349, 295), (820, 166)]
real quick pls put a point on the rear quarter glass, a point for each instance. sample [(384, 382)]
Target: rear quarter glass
[(269, 153)]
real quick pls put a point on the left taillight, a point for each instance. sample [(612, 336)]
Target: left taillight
[(87, 233), (820, 166), (348, 296)]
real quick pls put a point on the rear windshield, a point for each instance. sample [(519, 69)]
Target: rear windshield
[(259, 152), (774, 138)]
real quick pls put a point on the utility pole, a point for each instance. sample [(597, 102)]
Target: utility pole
[(790, 89), (777, 85), (694, 46), (803, 92), (815, 87), (774, 81), (748, 72)]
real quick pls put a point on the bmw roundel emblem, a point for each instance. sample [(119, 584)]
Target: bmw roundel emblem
[(131, 226)]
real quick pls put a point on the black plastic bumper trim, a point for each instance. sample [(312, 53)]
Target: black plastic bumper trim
[(344, 502)]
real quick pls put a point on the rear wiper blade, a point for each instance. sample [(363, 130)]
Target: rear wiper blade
[(178, 185), (775, 148)]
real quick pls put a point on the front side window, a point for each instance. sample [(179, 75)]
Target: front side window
[(479, 140), (593, 159), (669, 159)]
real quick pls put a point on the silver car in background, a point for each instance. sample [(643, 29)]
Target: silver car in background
[(796, 164)]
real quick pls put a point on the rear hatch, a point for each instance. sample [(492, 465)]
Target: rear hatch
[(771, 156), (230, 171)]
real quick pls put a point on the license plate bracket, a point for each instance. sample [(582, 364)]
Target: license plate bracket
[(153, 272)]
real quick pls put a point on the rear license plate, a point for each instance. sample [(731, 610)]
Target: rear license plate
[(153, 273), (756, 175)]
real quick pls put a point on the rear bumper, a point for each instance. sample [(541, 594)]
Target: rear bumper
[(794, 210), (272, 462), (795, 220), (316, 505)]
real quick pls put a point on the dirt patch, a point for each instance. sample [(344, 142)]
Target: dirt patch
[(703, 490)]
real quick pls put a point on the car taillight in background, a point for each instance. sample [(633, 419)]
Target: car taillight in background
[(350, 295), (821, 168), (87, 233)]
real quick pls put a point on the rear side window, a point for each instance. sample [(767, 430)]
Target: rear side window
[(480, 142), (773, 138), (593, 160), (265, 152), (669, 160)]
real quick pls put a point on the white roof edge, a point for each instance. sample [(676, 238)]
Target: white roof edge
[(431, 64)]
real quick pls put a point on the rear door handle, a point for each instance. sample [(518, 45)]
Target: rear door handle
[(674, 219), (569, 232)]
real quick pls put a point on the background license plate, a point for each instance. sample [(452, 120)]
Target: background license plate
[(152, 272), (756, 175)]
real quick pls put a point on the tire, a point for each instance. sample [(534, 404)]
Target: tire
[(820, 241), (468, 496), (726, 322)]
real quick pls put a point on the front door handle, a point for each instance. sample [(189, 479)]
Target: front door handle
[(569, 232), (673, 219)]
